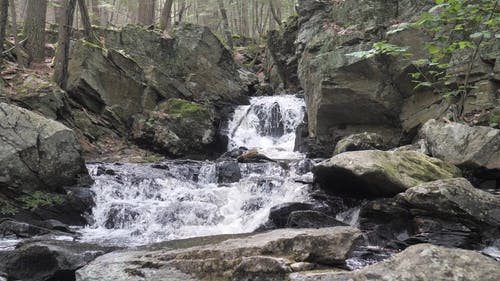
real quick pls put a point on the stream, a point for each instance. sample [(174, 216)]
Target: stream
[(138, 204)]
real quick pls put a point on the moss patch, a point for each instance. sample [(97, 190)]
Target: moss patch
[(183, 108)]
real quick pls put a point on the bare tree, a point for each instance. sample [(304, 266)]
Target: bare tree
[(275, 7), (166, 15), (62, 54), (4, 14), (87, 26), (96, 12), (34, 28), (146, 12), (225, 22)]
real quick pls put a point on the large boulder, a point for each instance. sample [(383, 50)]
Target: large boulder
[(192, 64), (176, 127), (48, 260), (447, 212), (132, 72), (105, 81), (375, 173), (37, 153), (41, 96), (463, 145), (420, 262), (266, 255), (348, 93)]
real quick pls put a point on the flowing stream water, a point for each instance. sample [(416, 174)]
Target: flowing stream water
[(144, 203)]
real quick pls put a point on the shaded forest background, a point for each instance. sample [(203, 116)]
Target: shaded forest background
[(247, 18)]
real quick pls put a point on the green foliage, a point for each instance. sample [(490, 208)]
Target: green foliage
[(381, 48), (6, 208), (460, 27), (39, 199)]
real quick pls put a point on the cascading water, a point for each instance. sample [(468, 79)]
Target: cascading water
[(268, 124), (139, 204)]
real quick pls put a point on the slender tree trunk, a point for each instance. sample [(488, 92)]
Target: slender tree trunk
[(57, 6), (275, 11), (166, 15), (19, 52), (96, 12), (245, 27), (182, 9), (62, 54), (34, 28), (87, 26), (146, 13), (225, 22), (4, 14)]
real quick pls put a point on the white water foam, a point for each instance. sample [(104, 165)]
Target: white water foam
[(138, 204), (268, 124)]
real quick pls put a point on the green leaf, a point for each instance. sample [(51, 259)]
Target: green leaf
[(433, 49), (423, 85), (476, 35)]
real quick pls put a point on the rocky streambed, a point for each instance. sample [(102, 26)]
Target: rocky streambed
[(361, 214)]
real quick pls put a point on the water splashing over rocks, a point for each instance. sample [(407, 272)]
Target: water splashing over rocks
[(142, 203)]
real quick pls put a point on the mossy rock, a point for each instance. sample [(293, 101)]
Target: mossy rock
[(375, 173), (183, 108)]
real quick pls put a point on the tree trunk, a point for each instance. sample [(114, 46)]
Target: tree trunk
[(57, 6), (62, 54), (4, 14), (146, 12), (87, 26), (225, 22), (275, 11), (182, 9), (166, 15), (96, 12), (34, 28), (20, 54)]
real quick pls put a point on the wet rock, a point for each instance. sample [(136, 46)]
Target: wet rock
[(479, 146), (37, 153), (357, 142), (233, 154), (304, 166), (420, 262), (228, 172), (253, 156), (302, 266), (447, 212), (9, 228), (279, 214), (311, 219), (48, 260), (374, 173), (223, 258), (56, 225), (101, 170)]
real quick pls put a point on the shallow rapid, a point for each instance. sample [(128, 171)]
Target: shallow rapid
[(138, 204)]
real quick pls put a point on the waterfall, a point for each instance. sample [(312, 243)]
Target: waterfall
[(268, 124), (137, 204)]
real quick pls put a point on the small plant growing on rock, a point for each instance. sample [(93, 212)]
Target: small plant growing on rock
[(40, 199)]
